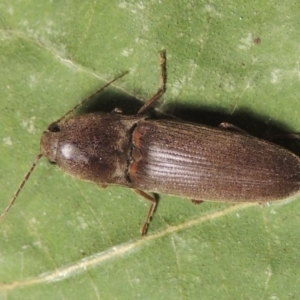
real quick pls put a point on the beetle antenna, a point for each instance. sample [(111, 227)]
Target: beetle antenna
[(12, 201), (91, 96)]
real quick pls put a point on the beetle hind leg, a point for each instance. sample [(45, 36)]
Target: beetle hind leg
[(228, 126), (197, 201)]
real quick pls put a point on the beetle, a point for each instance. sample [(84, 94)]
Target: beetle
[(168, 156)]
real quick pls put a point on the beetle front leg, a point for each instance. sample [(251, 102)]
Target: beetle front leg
[(163, 80)]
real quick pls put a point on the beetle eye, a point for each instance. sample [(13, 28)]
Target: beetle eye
[(52, 162), (54, 127)]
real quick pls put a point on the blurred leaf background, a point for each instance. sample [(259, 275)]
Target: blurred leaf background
[(233, 61)]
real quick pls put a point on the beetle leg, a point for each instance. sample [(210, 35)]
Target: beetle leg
[(104, 186), (225, 125), (151, 210), (162, 88), (287, 136), (117, 110), (284, 136), (197, 201)]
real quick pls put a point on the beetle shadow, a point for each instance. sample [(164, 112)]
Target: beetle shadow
[(108, 100), (259, 125)]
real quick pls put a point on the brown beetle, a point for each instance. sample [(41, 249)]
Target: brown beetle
[(169, 156)]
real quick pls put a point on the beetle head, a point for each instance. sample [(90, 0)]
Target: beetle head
[(49, 141)]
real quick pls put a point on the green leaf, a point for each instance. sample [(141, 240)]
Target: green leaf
[(233, 61)]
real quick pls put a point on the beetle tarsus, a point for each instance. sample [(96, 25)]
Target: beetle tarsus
[(148, 219)]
